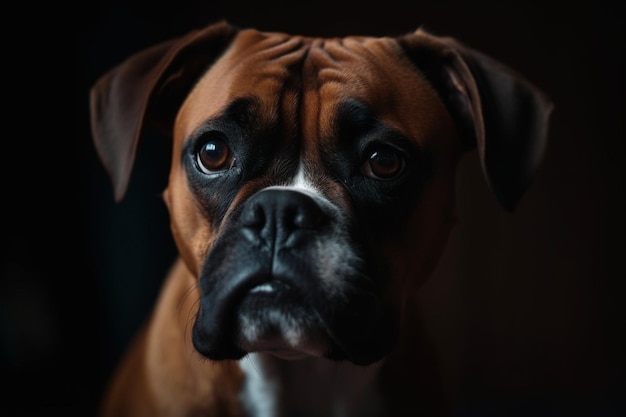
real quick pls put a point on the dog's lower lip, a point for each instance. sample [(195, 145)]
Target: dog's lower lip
[(267, 287), (281, 346), (290, 355)]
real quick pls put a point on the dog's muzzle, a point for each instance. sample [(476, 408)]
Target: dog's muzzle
[(287, 276)]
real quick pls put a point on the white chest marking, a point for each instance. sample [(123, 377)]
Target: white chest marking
[(312, 387), (260, 393)]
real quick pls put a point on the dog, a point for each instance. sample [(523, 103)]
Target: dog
[(311, 191)]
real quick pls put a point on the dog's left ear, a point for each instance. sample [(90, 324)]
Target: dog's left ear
[(496, 110), (147, 89)]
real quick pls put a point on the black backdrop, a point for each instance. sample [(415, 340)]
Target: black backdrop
[(525, 311)]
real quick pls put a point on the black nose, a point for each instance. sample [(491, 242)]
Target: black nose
[(280, 216)]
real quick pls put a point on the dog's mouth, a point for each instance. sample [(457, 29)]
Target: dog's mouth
[(274, 317)]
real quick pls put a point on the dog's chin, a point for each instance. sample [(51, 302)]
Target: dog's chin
[(283, 349), (273, 318)]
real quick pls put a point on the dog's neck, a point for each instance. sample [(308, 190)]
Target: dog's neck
[(308, 387)]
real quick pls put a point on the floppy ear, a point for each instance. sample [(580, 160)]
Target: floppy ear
[(497, 111), (147, 89)]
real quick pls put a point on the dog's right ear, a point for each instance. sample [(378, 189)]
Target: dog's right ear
[(497, 111), (147, 89)]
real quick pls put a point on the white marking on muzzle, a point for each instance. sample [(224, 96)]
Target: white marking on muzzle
[(300, 183)]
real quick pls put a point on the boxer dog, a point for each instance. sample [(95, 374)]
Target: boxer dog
[(311, 191)]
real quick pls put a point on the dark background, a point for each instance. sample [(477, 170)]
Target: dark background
[(526, 310)]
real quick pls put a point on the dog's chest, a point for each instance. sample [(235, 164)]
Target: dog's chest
[(308, 388)]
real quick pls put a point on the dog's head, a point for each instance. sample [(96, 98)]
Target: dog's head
[(312, 181)]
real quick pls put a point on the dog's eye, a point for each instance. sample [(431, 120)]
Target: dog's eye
[(214, 156), (383, 162)]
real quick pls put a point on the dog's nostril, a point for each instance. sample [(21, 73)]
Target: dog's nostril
[(254, 216), (302, 218)]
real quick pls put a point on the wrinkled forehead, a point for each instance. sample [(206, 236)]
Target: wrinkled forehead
[(307, 81)]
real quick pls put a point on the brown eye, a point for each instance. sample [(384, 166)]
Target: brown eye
[(383, 163), (214, 156)]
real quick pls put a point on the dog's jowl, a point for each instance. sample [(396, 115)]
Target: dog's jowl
[(311, 191)]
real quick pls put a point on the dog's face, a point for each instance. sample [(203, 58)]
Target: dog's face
[(311, 188), (307, 197)]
